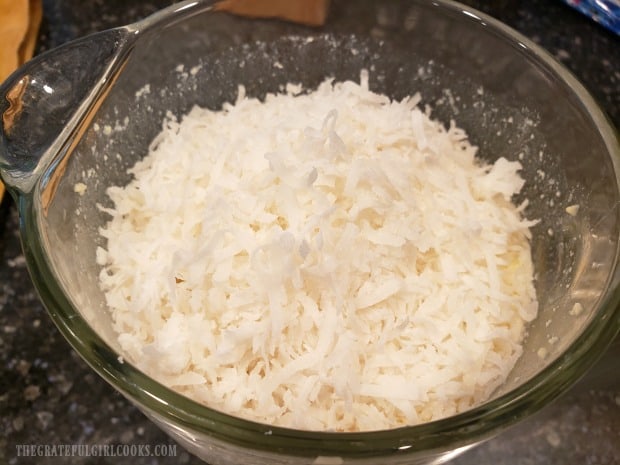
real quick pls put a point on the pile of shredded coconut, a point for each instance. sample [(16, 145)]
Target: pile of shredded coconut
[(329, 260)]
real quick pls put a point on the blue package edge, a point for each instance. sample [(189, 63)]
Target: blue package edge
[(604, 12)]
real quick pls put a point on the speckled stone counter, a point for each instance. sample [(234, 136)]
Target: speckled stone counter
[(49, 396)]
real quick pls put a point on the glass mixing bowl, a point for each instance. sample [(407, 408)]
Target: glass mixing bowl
[(68, 115)]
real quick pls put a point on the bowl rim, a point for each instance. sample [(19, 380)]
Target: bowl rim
[(464, 428)]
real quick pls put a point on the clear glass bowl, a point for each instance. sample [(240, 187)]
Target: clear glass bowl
[(69, 112)]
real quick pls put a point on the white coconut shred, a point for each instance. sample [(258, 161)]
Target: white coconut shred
[(332, 260)]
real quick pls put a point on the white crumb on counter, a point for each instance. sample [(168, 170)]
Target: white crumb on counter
[(572, 210), (553, 438), (79, 188)]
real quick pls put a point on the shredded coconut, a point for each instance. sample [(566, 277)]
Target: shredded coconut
[(330, 260), (576, 310)]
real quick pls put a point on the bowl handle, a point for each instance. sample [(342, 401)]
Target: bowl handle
[(43, 103)]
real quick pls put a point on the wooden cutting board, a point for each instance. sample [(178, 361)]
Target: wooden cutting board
[(19, 30)]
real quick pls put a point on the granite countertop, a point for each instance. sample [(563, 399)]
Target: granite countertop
[(48, 395)]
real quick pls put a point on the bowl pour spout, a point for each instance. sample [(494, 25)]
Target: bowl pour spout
[(44, 103)]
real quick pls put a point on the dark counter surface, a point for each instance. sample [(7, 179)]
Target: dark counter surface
[(48, 395)]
